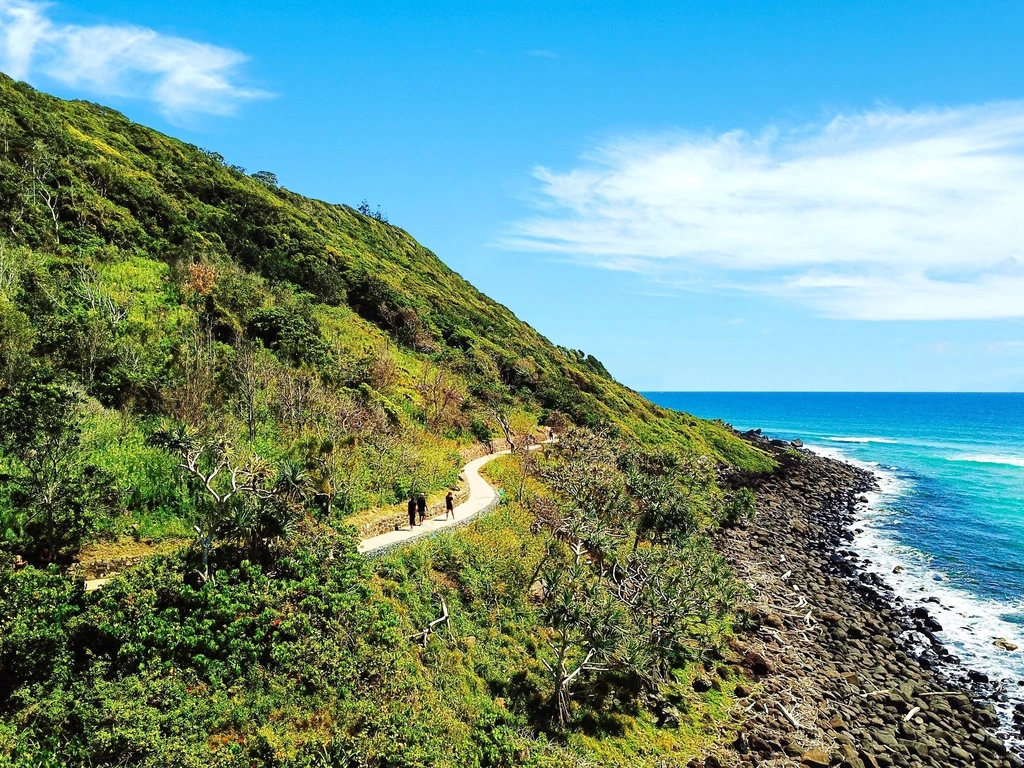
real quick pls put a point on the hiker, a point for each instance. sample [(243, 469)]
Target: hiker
[(449, 506), (412, 512), (421, 505), (551, 434)]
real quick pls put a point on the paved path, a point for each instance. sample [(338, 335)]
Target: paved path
[(481, 494)]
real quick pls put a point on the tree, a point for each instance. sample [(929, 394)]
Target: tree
[(45, 183), (194, 396), (252, 374), (299, 398), (100, 321), (498, 404), (267, 177), (655, 480), (364, 208), (629, 586), (17, 338), (584, 623), (57, 492), (557, 422), (439, 394), (242, 497)]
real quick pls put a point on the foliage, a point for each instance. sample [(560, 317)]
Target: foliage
[(740, 505), (54, 495), (631, 592), (187, 347)]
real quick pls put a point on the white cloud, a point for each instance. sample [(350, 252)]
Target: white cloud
[(181, 76), (882, 215)]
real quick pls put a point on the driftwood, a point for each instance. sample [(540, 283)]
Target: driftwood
[(789, 716), (444, 618)]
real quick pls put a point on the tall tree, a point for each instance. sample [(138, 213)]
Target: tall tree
[(56, 492)]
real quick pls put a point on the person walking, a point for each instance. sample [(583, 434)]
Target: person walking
[(412, 512), (421, 506), (449, 506)]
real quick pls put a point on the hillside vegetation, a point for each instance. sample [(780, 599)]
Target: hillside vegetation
[(189, 352)]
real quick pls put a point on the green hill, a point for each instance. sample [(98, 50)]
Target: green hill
[(167, 318)]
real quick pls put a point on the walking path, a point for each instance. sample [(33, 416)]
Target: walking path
[(481, 497)]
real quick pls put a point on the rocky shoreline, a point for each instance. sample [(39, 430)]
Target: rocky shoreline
[(838, 683)]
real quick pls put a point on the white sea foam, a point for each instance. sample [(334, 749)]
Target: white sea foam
[(970, 623), (986, 458), (861, 440)]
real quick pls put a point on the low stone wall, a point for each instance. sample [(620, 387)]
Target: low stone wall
[(102, 569)]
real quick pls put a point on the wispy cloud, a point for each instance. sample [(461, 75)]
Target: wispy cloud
[(542, 53), (886, 214), (181, 76)]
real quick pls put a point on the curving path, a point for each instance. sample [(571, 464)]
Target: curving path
[(481, 496)]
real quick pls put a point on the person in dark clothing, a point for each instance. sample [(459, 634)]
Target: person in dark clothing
[(449, 506), (412, 512), (421, 505)]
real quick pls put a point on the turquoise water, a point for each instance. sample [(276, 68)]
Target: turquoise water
[(951, 506)]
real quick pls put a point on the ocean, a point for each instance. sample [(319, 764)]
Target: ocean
[(950, 510)]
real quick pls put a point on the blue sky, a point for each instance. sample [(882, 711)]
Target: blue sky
[(822, 196)]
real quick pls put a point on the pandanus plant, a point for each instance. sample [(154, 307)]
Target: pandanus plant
[(244, 497)]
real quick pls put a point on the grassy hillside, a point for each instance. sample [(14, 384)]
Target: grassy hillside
[(181, 239), (189, 352)]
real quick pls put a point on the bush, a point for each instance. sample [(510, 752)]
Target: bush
[(738, 506)]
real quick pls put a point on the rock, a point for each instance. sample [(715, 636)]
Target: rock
[(1005, 644), (669, 717), (961, 754), (805, 513), (886, 737), (757, 663), (816, 758), (701, 685), (977, 677), (741, 744), (849, 755)]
